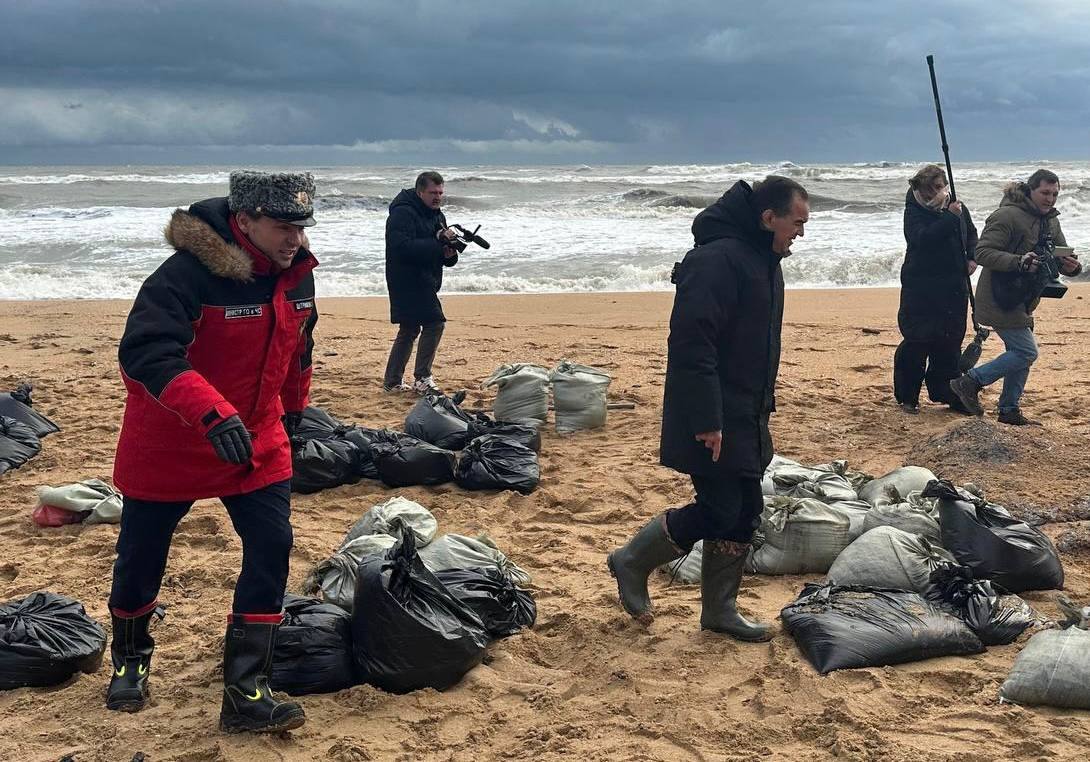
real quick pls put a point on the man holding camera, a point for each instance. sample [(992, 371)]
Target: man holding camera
[(418, 246), (1017, 236), (216, 350)]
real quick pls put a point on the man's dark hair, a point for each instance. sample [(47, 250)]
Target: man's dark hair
[(1042, 176), (778, 194), (424, 179)]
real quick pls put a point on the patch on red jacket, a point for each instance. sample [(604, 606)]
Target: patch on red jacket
[(304, 304), (250, 310)]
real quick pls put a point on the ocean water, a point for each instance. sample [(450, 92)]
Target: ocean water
[(96, 232)]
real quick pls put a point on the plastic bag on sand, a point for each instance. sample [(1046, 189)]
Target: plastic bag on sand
[(317, 423), (522, 392), (526, 434), (852, 627), (18, 443), (437, 420), (580, 394), (916, 515), (92, 500), (455, 551), (18, 405), (504, 608), (50, 517), (366, 439), (408, 631), (994, 544), (380, 519), (405, 464), (493, 462), (888, 558), (902, 481), (1052, 670), (45, 639), (997, 620), (800, 536), (319, 464), (336, 576), (313, 651)]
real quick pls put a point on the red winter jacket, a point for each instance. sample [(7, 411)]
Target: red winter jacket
[(212, 333)]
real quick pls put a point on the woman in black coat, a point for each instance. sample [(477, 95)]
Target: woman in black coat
[(941, 242)]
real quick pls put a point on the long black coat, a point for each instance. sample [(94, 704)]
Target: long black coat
[(414, 260), (724, 345), (934, 291)]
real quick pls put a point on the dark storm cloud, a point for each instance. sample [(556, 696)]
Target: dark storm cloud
[(516, 80)]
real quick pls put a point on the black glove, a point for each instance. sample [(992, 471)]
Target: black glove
[(291, 423), (231, 440)]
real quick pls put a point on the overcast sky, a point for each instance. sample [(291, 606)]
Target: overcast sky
[(539, 81)]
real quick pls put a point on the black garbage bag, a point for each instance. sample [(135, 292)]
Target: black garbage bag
[(409, 461), (18, 443), (316, 423), (525, 434), (46, 638), (313, 651), (408, 631), (319, 464), (493, 462), (851, 627), (437, 420), (996, 620), (995, 545), (18, 405), (363, 438), (504, 608)]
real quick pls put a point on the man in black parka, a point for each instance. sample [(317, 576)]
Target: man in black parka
[(416, 253), (723, 356)]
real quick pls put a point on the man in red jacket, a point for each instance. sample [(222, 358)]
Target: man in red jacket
[(216, 362)]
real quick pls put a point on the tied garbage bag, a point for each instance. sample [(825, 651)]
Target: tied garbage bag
[(319, 464), (996, 620), (889, 558), (579, 392), (313, 652), (316, 423), (382, 518), (45, 639), (455, 551), (493, 462), (851, 627), (91, 500), (404, 463), (526, 434), (522, 392), (1052, 670), (504, 608), (366, 440), (800, 536), (902, 480), (18, 405), (915, 515), (336, 576), (437, 420), (18, 443), (994, 544), (408, 631)]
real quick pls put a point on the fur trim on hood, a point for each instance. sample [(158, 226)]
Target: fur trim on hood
[(1014, 194), (223, 258)]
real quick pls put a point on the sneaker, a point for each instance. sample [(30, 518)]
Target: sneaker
[(967, 391), (1015, 418), (910, 409), (425, 386), (397, 388)]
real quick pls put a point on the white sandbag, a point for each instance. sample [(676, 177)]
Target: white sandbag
[(522, 392), (904, 480), (380, 519), (93, 497), (887, 557), (916, 515), (455, 551), (1052, 670), (336, 576), (686, 570), (801, 535), (826, 487), (579, 393), (857, 511)]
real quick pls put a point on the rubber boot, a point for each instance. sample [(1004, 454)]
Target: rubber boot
[(720, 577), (633, 563), (130, 652), (248, 703)]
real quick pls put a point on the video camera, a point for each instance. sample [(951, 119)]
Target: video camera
[(465, 237), (1048, 270)]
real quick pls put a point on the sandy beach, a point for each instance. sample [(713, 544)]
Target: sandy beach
[(586, 682)]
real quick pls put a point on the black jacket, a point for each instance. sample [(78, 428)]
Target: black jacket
[(934, 289), (724, 345), (414, 260)]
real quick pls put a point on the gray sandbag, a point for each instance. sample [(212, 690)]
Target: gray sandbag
[(522, 392), (887, 557), (801, 535), (379, 519), (768, 487), (336, 576), (96, 500), (826, 487), (857, 511), (904, 480), (686, 570), (455, 551), (579, 392), (1052, 670), (916, 515)]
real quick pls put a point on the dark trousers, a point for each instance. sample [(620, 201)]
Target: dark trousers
[(935, 362), (429, 334), (262, 519), (725, 508)]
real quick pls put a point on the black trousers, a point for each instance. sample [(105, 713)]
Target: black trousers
[(429, 334), (262, 519), (935, 362), (725, 508)]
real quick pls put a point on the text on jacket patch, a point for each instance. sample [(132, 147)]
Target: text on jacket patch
[(253, 310), (304, 304)]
